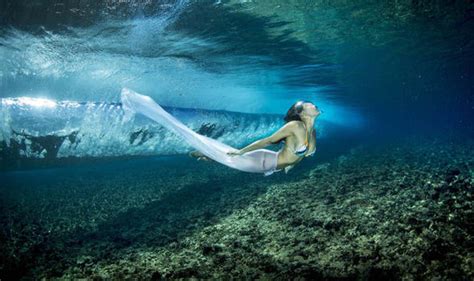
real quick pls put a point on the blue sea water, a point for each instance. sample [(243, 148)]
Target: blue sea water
[(227, 69)]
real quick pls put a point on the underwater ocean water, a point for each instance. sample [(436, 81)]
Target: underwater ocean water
[(87, 192)]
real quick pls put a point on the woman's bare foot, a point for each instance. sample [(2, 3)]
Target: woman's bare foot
[(198, 155)]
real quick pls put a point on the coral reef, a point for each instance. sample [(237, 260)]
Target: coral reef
[(399, 211)]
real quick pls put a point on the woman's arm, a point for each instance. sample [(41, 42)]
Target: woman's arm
[(314, 134), (283, 132)]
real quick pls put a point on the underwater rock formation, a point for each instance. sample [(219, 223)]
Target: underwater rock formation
[(401, 210)]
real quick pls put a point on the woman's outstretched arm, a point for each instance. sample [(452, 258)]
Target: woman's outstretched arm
[(283, 132)]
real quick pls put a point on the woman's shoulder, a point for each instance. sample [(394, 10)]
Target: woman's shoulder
[(295, 123), (293, 126)]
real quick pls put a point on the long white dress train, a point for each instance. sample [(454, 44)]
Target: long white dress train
[(256, 161)]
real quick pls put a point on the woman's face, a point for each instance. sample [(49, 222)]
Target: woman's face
[(310, 109)]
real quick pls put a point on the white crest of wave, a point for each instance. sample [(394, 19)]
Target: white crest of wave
[(29, 101)]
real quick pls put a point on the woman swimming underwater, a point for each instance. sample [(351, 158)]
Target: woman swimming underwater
[(298, 134), (299, 129)]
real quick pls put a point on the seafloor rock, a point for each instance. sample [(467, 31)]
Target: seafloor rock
[(392, 211)]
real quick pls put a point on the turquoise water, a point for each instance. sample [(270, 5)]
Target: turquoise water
[(79, 183)]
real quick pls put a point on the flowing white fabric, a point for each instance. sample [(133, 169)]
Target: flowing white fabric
[(256, 161)]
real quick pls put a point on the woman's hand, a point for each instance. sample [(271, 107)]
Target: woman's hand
[(234, 153)]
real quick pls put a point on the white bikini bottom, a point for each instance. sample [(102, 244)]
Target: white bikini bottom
[(257, 161)]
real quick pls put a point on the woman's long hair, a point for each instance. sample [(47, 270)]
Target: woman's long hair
[(294, 111)]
